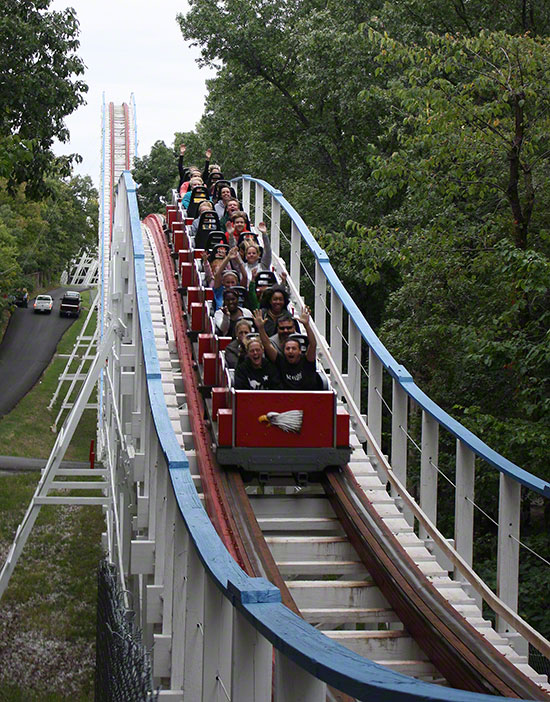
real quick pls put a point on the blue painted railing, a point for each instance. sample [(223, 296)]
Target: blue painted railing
[(255, 598), (396, 370)]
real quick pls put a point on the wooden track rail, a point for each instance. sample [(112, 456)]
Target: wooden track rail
[(463, 657)]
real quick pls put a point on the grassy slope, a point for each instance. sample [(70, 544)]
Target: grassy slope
[(47, 615)]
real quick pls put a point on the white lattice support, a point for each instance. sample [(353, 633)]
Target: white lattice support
[(336, 329), (295, 251), (181, 586), (217, 644), (252, 662), (509, 503), (168, 578), (294, 684), (429, 456), (53, 465), (374, 400), (194, 625), (258, 205), (320, 308)]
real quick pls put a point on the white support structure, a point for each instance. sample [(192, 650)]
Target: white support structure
[(53, 469), (346, 324), (86, 339)]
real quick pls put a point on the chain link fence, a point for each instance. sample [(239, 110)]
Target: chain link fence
[(123, 667), (539, 662)]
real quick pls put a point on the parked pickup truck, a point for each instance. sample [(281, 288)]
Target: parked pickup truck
[(43, 303), (70, 304)]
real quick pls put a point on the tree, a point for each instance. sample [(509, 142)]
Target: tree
[(469, 231), (38, 89), (45, 235), (284, 103), (156, 175)]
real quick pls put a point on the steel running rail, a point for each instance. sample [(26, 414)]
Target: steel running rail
[(217, 603)]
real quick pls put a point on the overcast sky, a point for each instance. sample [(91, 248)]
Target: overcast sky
[(134, 46)]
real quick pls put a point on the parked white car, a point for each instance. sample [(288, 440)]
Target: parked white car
[(43, 303)]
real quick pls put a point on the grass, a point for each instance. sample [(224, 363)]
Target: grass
[(47, 614)]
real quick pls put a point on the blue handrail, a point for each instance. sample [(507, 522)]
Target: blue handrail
[(396, 370), (256, 598)]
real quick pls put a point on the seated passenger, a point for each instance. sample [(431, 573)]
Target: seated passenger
[(232, 206), (194, 182), (256, 258), (260, 282), (226, 318), (235, 352), (273, 303), (213, 178), (225, 196), (237, 224), (256, 372), (185, 173), (298, 370), (218, 276), (203, 207), (285, 327)]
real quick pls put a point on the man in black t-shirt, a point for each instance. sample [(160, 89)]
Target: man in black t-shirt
[(297, 369), (256, 372)]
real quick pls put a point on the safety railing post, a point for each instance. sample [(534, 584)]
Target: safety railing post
[(428, 474), (509, 502), (246, 195), (320, 307), (354, 362), (336, 328), (294, 684), (464, 504), (374, 402), (295, 250), (252, 662), (275, 226), (258, 205), (399, 429)]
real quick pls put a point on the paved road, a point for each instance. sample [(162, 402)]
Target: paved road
[(28, 346)]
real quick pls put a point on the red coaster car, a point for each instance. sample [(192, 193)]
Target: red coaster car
[(279, 431)]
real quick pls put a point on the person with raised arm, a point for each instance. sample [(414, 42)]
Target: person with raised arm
[(297, 369), (256, 258), (256, 372)]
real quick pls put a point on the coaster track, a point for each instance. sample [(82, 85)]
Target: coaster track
[(341, 552)]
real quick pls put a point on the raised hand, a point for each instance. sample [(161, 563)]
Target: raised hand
[(262, 228), (305, 316), (229, 228), (233, 252), (208, 154), (182, 149), (259, 321)]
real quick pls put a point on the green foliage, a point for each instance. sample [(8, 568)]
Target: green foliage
[(413, 139), (45, 235), (284, 104), (39, 88), (156, 175)]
